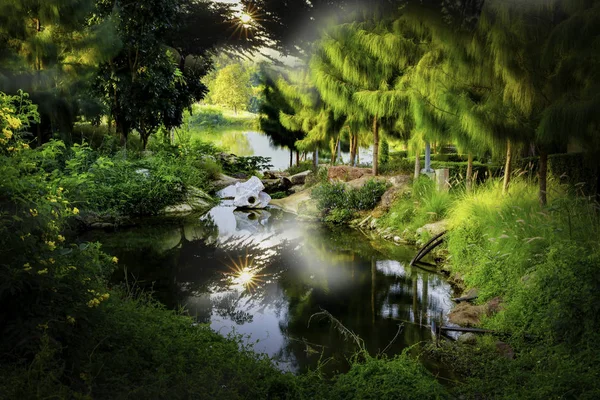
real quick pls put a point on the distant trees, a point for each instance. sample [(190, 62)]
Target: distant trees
[(232, 88)]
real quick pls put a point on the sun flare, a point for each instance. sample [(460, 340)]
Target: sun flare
[(244, 273), (245, 18)]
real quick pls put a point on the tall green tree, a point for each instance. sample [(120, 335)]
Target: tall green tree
[(273, 105), (232, 87), (50, 49), (310, 115), (355, 80)]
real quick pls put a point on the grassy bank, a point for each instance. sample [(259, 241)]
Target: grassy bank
[(542, 263)]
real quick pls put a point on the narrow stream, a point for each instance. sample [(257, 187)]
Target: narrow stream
[(263, 274)]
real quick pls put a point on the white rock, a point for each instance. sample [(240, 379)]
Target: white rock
[(250, 195), (228, 193)]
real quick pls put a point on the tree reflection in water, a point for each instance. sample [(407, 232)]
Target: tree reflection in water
[(297, 270)]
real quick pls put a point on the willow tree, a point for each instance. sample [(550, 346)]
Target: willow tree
[(552, 85), (342, 68), (308, 114), (273, 104)]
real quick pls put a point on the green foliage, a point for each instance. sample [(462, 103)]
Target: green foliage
[(339, 202), (541, 263), (422, 205), (231, 88), (250, 165), (384, 152), (303, 166), (397, 378), (215, 117)]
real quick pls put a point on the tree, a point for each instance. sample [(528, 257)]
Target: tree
[(309, 114), (50, 49), (231, 87), (354, 79)]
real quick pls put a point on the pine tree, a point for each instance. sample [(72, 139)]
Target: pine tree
[(50, 49), (273, 105)]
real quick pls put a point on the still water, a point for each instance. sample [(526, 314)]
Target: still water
[(252, 143), (263, 274)]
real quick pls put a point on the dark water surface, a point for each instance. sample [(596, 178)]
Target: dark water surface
[(263, 274)]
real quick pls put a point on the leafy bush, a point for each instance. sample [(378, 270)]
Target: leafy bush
[(250, 165), (338, 202), (384, 152)]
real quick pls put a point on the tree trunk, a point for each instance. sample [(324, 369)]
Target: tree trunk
[(375, 147), (334, 151), (316, 159), (470, 172), (507, 167), (297, 158), (353, 150), (543, 176), (291, 157), (417, 165)]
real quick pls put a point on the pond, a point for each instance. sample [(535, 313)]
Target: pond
[(266, 276), (244, 142)]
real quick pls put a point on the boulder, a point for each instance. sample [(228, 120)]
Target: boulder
[(276, 185), (248, 194), (468, 338), (195, 201), (296, 188), (360, 182), (271, 185), (465, 314), (274, 174), (223, 181), (293, 202), (399, 180), (300, 178), (433, 228), (345, 173), (390, 196)]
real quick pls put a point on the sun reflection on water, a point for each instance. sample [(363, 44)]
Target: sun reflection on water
[(245, 273)]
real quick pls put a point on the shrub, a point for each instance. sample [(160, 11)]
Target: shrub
[(250, 165), (338, 202)]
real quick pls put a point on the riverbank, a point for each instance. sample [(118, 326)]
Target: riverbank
[(63, 322), (534, 270), (69, 332)]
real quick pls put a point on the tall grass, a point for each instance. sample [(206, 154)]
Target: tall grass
[(544, 263), (422, 205)]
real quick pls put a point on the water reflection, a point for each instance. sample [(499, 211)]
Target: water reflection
[(263, 274)]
